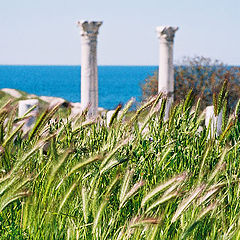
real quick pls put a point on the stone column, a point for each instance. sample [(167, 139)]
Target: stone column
[(89, 73), (166, 70)]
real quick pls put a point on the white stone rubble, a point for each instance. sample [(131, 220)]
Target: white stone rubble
[(23, 107), (12, 92)]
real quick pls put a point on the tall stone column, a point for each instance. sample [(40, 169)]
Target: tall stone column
[(89, 73), (166, 70)]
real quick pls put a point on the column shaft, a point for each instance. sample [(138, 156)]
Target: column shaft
[(89, 75), (166, 70)]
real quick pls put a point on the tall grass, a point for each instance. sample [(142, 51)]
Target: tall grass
[(138, 178)]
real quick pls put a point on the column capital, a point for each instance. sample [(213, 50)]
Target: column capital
[(166, 33), (89, 28)]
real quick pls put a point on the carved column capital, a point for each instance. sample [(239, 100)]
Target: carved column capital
[(89, 28), (166, 33)]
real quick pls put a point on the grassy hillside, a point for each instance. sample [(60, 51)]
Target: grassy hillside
[(147, 179)]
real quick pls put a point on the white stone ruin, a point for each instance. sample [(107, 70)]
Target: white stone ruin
[(89, 72), (166, 69), (216, 121), (23, 107)]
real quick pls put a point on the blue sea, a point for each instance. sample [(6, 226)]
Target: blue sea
[(117, 84)]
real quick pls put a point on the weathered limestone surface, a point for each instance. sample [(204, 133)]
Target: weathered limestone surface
[(12, 92), (166, 70), (52, 101), (216, 121), (76, 108), (23, 107), (89, 73)]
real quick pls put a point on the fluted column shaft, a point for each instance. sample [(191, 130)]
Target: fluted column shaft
[(89, 72)]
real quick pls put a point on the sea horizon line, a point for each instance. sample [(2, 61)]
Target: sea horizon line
[(76, 65)]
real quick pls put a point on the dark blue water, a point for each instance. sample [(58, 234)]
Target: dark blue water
[(117, 84)]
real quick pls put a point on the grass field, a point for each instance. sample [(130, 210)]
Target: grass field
[(136, 179)]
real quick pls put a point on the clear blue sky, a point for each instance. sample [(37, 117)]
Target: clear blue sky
[(45, 32)]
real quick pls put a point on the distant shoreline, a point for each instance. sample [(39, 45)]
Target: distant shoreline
[(117, 84)]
